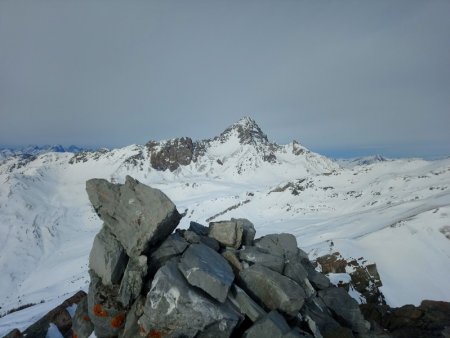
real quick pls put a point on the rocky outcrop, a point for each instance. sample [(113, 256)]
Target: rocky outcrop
[(171, 154)]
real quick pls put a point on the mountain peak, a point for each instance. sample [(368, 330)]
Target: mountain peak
[(247, 130)]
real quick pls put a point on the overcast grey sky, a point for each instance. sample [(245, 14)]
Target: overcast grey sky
[(342, 77)]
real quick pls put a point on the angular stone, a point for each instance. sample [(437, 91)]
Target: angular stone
[(228, 233), (191, 237), (174, 309), (107, 258), (81, 323), (345, 307), (318, 317), (272, 325), (249, 230), (245, 303), (318, 280), (272, 289), (211, 242), (199, 229), (232, 259), (139, 216), (284, 245), (131, 329), (295, 271), (132, 280), (254, 255), (106, 313), (173, 246), (207, 270)]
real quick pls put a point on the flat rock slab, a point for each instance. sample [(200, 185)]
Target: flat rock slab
[(340, 302), (107, 258), (208, 270), (272, 289), (253, 255), (174, 309), (283, 244), (139, 216), (245, 303), (228, 233), (272, 325)]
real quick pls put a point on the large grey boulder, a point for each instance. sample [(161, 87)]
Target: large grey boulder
[(107, 258), (345, 307), (284, 245), (208, 270), (139, 216), (254, 255), (319, 318), (81, 323), (105, 311), (245, 303), (132, 281), (176, 309), (295, 271), (249, 230), (228, 233), (272, 289), (272, 325)]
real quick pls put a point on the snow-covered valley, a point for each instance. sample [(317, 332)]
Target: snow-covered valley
[(395, 213)]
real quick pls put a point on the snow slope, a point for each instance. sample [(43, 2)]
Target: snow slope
[(394, 213)]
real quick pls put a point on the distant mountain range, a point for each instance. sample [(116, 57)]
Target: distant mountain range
[(394, 213)]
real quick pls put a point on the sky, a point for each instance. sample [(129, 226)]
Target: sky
[(344, 78)]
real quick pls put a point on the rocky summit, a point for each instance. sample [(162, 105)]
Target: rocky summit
[(150, 280)]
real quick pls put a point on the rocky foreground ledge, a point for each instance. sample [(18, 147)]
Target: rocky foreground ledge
[(216, 281)]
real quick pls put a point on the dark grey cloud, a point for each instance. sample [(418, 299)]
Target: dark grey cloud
[(366, 76)]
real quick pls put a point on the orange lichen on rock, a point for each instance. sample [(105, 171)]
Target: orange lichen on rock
[(74, 335), (154, 334), (118, 321), (86, 318), (99, 312)]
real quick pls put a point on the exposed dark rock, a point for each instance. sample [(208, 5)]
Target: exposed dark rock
[(132, 281), (174, 309), (228, 233), (271, 325), (208, 270), (137, 215), (344, 308), (273, 290), (199, 229), (107, 258), (333, 263), (284, 245), (255, 255), (171, 154), (295, 271), (14, 334), (245, 303)]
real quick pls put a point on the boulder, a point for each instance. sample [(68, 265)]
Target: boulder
[(81, 322), (245, 303), (295, 271), (107, 258), (106, 312), (137, 215), (249, 230), (174, 309), (132, 281), (284, 245), (272, 289), (271, 325), (199, 229), (193, 238), (228, 233), (207, 270), (345, 308), (173, 246), (230, 256), (318, 318), (254, 255)]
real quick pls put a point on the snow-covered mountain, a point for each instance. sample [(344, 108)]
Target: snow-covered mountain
[(394, 213), (35, 150)]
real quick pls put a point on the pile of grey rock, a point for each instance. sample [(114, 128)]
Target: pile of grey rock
[(150, 280)]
